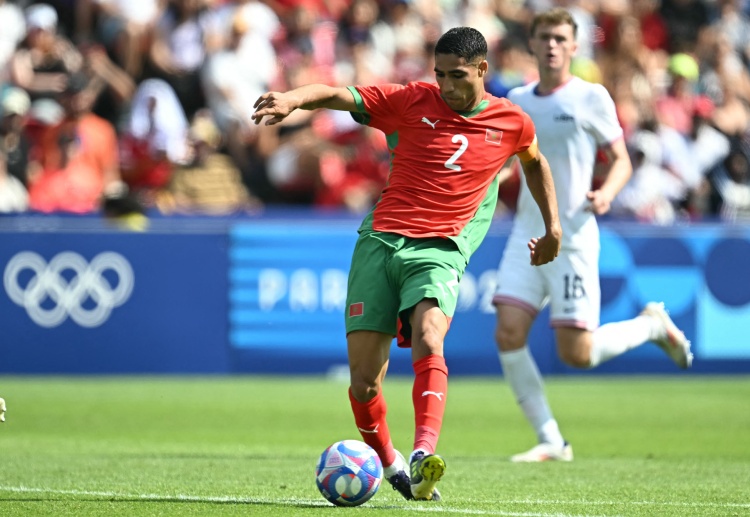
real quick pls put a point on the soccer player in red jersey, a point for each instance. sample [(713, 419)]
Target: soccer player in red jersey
[(448, 141)]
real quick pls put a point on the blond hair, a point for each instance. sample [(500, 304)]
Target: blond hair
[(556, 16)]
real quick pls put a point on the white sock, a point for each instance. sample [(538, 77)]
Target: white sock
[(613, 339), (397, 465), (524, 378)]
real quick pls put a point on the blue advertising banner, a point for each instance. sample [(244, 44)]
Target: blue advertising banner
[(288, 283), (267, 295), (98, 300), (287, 294), (701, 273)]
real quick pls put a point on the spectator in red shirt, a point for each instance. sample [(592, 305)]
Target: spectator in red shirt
[(76, 157)]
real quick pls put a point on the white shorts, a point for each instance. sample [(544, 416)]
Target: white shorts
[(570, 284)]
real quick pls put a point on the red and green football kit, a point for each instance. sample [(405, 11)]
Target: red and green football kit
[(438, 201), (431, 216), (442, 161)]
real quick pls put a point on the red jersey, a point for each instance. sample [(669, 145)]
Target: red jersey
[(442, 162)]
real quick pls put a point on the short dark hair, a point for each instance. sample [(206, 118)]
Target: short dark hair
[(556, 16), (465, 42)]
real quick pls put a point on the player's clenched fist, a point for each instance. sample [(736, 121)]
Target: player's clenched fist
[(544, 249)]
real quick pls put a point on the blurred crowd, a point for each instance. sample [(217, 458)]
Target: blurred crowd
[(131, 106)]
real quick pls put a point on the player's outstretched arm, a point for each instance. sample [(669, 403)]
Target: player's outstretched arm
[(539, 180), (278, 105)]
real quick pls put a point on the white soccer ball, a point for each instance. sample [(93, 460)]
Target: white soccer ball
[(349, 473)]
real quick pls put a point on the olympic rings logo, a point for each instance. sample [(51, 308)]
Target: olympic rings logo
[(86, 286)]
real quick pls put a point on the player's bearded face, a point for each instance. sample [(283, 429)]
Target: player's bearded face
[(554, 46), (461, 83)]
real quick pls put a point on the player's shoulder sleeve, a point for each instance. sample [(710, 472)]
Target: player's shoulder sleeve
[(601, 115), (383, 106), (513, 94), (518, 94), (517, 127), (527, 148), (519, 123)]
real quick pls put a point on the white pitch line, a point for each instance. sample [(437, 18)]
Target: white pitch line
[(259, 500)]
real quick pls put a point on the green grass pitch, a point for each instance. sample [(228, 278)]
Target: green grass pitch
[(197, 446)]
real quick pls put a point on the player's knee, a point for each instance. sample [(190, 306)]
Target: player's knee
[(364, 390), (574, 347), (432, 339), (509, 338), (576, 357), (428, 332)]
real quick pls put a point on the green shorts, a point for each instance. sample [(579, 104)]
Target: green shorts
[(390, 274)]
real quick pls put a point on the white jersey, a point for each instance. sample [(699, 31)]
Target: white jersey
[(571, 123)]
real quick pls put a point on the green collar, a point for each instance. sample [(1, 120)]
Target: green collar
[(477, 110)]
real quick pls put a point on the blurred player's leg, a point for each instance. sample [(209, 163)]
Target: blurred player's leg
[(670, 338), (613, 339), (2, 410), (521, 372), (545, 452)]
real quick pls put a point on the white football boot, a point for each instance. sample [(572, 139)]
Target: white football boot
[(2, 410), (672, 340), (545, 452)]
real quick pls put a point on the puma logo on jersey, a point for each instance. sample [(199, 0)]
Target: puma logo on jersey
[(374, 430), (427, 121), (438, 395)]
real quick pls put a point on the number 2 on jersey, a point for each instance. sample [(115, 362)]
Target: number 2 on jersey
[(451, 163)]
